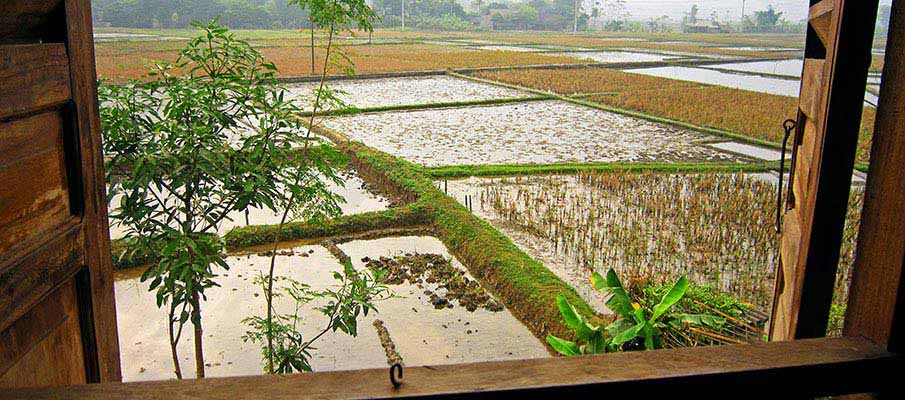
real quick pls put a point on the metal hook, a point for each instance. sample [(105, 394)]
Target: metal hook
[(789, 126), (396, 381)]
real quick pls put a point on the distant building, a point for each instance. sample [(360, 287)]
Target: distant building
[(704, 26), (494, 14)]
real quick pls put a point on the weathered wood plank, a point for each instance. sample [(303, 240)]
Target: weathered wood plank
[(32, 77), (93, 197), (875, 308), (811, 87), (789, 369), (35, 196), (25, 279), (820, 17), (47, 337), (822, 195), (31, 20)]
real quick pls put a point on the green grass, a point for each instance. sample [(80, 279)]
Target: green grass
[(527, 287), (248, 236)]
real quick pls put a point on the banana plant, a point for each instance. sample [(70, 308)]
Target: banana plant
[(593, 336), (636, 327), (636, 322)]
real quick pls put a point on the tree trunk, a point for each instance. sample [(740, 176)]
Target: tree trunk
[(173, 342), (575, 21), (199, 333), (313, 69)]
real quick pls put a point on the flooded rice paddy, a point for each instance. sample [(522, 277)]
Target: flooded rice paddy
[(122, 36), (735, 80), (536, 132), (367, 93), (422, 333), (743, 76), (791, 67), (760, 153), (501, 47), (718, 229)]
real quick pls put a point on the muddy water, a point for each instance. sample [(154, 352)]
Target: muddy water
[(422, 334), (518, 49), (761, 153), (735, 80), (790, 67), (426, 336), (615, 56), (745, 80), (366, 93), (358, 199), (756, 48), (117, 36), (535, 132)]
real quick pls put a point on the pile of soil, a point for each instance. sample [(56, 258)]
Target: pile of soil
[(418, 269)]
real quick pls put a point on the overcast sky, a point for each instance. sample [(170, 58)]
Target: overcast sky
[(793, 10)]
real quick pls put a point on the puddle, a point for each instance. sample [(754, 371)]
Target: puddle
[(624, 39), (423, 335), (614, 56), (367, 93), (717, 229), (519, 49), (750, 150), (358, 199), (757, 48), (736, 79), (144, 347), (687, 54), (539, 132), (782, 87), (791, 67), (116, 36)]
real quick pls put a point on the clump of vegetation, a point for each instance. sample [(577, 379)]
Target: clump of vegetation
[(282, 341), (434, 269), (186, 150), (715, 228), (741, 323), (640, 325), (282, 344)]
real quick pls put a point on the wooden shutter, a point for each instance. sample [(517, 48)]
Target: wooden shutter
[(57, 314), (837, 57)]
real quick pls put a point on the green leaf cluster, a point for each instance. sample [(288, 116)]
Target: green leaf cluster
[(639, 324), (355, 294)]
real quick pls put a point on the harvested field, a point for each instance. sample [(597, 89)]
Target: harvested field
[(295, 61)]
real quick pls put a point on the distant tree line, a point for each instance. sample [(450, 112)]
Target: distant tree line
[(235, 14), (561, 15)]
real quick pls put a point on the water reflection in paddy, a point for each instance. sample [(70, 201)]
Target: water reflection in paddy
[(422, 334)]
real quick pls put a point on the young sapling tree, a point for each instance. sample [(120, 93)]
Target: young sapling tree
[(196, 142)]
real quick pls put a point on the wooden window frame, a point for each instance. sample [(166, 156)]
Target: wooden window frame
[(865, 360)]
